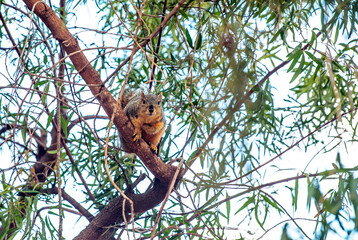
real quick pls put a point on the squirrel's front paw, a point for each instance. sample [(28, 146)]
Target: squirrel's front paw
[(137, 134), (154, 148)]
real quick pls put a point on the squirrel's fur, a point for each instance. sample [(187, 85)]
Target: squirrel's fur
[(146, 114)]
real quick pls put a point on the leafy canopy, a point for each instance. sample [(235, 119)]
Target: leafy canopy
[(244, 84)]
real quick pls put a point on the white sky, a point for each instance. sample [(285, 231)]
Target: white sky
[(295, 158)]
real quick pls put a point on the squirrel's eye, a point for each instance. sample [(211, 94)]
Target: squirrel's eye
[(143, 101), (158, 102)]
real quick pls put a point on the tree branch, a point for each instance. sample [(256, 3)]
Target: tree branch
[(159, 169), (154, 33), (72, 201), (103, 226), (239, 103), (100, 226), (151, 77)]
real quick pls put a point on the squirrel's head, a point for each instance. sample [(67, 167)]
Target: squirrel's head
[(152, 104)]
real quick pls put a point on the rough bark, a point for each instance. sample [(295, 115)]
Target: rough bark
[(100, 226), (159, 169), (103, 225)]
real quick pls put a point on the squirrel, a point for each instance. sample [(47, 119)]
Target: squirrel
[(146, 114)]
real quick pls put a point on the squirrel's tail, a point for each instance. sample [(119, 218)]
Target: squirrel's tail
[(128, 95)]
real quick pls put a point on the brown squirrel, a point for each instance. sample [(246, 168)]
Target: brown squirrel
[(146, 114)]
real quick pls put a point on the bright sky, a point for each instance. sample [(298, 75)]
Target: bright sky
[(295, 159)]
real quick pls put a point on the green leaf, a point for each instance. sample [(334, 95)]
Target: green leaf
[(40, 83), (49, 120), (295, 197), (199, 41), (52, 151), (319, 61), (188, 38), (183, 14), (44, 95), (159, 76), (272, 203), (212, 199), (64, 124), (298, 71), (175, 38), (228, 208), (278, 33), (295, 56), (248, 201), (256, 210), (23, 131)]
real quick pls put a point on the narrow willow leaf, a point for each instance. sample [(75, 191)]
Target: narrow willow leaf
[(199, 41), (295, 56), (228, 208), (188, 38), (295, 197), (298, 71), (248, 201)]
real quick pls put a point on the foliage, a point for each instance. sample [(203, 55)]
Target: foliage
[(244, 84)]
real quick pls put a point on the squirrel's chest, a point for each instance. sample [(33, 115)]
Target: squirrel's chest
[(148, 119)]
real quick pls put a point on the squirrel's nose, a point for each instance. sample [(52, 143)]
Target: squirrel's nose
[(151, 108)]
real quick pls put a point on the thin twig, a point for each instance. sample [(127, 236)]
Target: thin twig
[(59, 96), (287, 213), (58, 157), (71, 200), (239, 103), (146, 41), (125, 197), (151, 78), (171, 186), (9, 35)]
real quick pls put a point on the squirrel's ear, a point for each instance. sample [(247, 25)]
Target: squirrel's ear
[(160, 96), (142, 94)]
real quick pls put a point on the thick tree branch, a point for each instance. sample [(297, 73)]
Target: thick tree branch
[(100, 226), (159, 169), (103, 226)]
